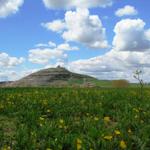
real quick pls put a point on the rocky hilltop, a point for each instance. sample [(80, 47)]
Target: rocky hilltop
[(54, 77)]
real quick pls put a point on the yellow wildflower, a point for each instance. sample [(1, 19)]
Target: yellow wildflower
[(107, 119), (123, 145), (48, 110), (108, 137), (61, 121), (117, 132), (41, 119), (129, 130), (96, 118), (79, 141), (79, 144), (6, 148)]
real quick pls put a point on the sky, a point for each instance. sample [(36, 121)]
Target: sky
[(107, 39)]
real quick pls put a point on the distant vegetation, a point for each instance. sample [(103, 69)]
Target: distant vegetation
[(74, 119), (120, 83)]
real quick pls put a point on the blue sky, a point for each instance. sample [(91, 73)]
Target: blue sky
[(21, 29)]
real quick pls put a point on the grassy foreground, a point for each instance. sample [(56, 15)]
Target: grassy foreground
[(74, 119)]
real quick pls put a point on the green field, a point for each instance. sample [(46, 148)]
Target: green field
[(74, 119)]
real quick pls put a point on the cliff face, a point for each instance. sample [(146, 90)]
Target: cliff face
[(52, 77)]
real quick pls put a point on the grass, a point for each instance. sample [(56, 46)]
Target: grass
[(74, 119)]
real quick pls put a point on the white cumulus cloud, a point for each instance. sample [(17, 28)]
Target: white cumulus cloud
[(50, 44), (8, 61), (55, 26), (131, 35), (114, 65), (8, 7), (42, 56), (83, 28), (65, 4), (126, 11), (67, 47)]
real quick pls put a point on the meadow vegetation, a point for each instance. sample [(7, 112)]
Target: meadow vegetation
[(74, 119)]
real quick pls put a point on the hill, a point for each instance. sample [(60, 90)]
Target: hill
[(54, 77)]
